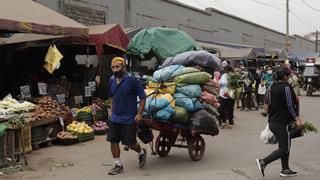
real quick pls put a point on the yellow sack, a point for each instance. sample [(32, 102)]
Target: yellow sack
[(166, 96), (166, 87)]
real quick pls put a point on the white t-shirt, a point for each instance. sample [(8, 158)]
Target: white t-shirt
[(262, 89), (224, 86)]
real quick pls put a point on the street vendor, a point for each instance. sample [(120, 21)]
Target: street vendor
[(124, 89)]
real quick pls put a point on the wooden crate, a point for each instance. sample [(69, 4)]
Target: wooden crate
[(3, 156), (26, 134), (29, 116)]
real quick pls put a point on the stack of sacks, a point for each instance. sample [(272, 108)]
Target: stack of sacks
[(188, 91), (159, 106), (175, 95)]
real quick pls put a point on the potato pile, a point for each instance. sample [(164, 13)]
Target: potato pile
[(66, 135), (49, 108)]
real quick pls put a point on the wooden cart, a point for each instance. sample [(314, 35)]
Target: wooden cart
[(168, 137)]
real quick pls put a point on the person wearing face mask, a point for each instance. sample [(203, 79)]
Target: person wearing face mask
[(124, 89), (282, 107), (267, 78)]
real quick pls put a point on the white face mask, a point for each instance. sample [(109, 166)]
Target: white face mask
[(269, 71)]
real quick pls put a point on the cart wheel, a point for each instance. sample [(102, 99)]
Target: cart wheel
[(163, 145), (196, 148)]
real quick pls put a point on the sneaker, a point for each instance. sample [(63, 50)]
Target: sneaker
[(288, 173), (116, 170), (143, 158), (261, 166)]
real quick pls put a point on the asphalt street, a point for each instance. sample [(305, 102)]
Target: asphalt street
[(228, 156)]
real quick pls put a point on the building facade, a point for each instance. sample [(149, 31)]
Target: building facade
[(205, 25)]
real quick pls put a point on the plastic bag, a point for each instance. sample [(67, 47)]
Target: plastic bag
[(204, 123), (193, 78), (267, 137), (168, 73), (183, 101), (145, 133), (180, 116), (191, 91)]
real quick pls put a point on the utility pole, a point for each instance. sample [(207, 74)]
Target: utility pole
[(287, 26), (127, 13), (316, 40)]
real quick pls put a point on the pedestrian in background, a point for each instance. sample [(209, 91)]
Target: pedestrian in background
[(226, 100), (282, 108), (267, 77), (124, 89)]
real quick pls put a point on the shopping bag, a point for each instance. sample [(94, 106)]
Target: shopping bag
[(267, 137)]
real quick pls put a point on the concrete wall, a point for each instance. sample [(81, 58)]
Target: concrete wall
[(89, 12), (209, 25)]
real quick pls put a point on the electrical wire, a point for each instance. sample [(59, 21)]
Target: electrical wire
[(305, 2), (268, 5), (301, 20)]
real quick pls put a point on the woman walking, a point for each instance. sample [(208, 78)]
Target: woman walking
[(281, 105)]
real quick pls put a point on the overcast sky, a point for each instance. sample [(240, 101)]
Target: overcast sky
[(270, 13)]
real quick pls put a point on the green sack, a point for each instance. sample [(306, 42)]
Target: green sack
[(193, 78), (180, 116), (3, 128)]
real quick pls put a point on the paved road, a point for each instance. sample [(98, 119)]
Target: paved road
[(229, 156)]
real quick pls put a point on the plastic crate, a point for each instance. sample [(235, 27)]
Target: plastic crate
[(3, 157), (101, 132), (38, 134), (67, 142), (85, 137)]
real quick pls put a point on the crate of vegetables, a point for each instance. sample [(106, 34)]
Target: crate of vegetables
[(67, 138), (100, 128), (82, 130)]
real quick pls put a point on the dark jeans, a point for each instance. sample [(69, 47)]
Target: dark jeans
[(282, 134), (246, 100), (226, 110), (260, 99)]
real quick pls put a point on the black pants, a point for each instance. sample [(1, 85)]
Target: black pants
[(226, 110), (282, 134), (246, 100)]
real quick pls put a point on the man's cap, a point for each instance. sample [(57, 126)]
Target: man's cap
[(119, 60)]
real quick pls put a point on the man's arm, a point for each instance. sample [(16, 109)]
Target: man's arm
[(141, 109)]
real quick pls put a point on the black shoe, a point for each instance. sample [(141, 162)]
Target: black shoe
[(288, 173), (143, 158), (116, 170), (261, 166)]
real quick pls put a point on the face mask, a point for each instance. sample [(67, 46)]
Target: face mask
[(118, 74), (258, 72), (269, 71)]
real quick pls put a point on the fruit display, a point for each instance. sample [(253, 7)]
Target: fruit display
[(99, 102), (66, 135), (79, 127), (86, 109), (10, 105), (49, 108), (100, 126)]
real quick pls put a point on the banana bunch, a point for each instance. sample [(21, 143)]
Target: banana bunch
[(79, 127), (86, 109)]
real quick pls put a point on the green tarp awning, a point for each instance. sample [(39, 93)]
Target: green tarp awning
[(161, 42)]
